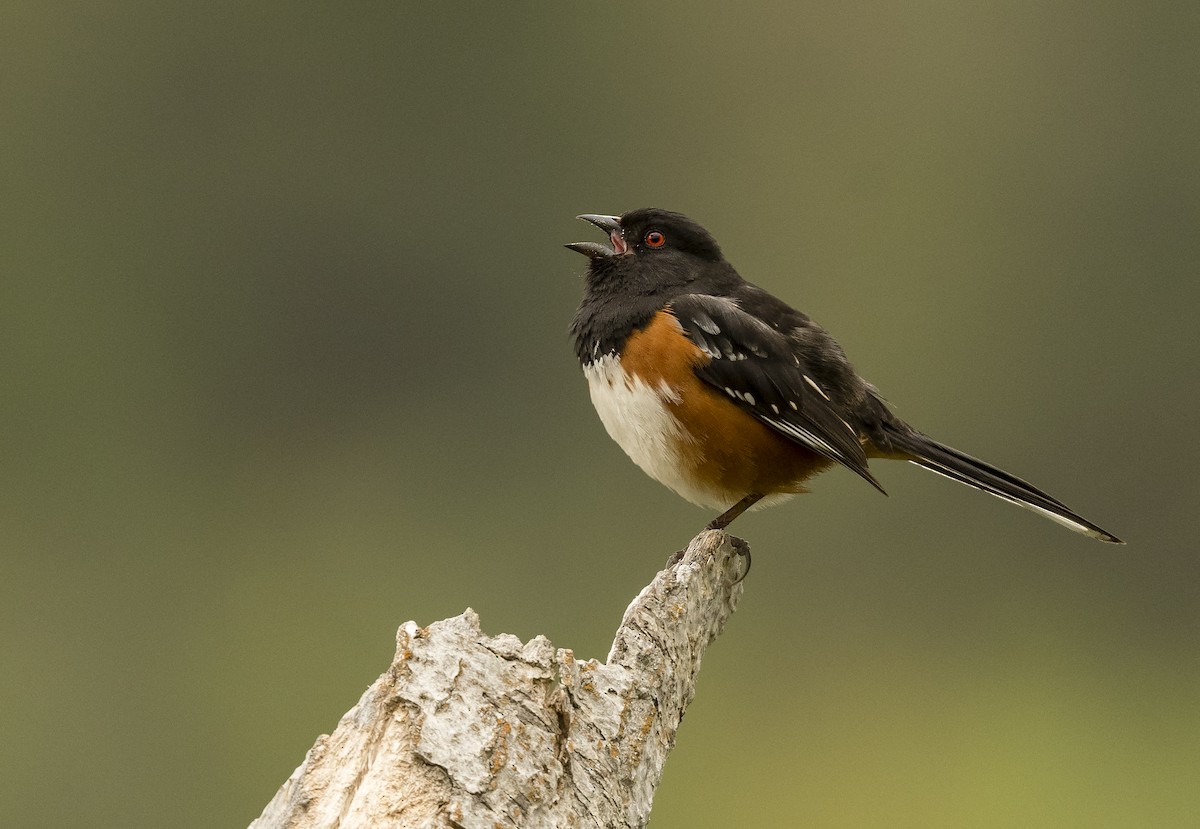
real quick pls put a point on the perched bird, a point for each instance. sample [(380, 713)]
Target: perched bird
[(729, 396)]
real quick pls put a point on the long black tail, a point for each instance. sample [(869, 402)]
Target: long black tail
[(910, 444)]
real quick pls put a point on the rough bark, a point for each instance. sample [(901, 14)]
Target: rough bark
[(469, 730)]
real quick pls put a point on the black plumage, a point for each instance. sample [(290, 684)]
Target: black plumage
[(769, 359)]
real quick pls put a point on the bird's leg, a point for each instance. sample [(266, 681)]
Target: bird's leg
[(720, 523), (726, 518)]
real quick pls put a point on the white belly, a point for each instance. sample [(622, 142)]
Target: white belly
[(637, 418)]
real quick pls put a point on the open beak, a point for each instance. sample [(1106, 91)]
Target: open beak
[(594, 250)]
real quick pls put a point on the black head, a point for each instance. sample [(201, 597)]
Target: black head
[(653, 235), (654, 256)]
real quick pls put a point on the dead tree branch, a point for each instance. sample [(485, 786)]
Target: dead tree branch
[(467, 730)]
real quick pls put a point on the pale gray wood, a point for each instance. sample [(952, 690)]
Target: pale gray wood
[(469, 730)]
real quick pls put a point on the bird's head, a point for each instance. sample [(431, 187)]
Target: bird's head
[(651, 237)]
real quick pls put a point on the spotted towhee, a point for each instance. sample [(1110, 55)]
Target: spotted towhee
[(726, 394)]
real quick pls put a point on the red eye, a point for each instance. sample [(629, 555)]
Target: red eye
[(655, 239)]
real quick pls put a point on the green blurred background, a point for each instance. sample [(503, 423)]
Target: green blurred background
[(284, 364)]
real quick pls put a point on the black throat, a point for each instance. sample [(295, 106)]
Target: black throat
[(607, 317), (623, 293)]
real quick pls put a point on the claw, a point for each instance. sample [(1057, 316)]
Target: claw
[(742, 548)]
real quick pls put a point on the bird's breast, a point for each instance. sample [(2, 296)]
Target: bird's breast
[(683, 433), (637, 414)]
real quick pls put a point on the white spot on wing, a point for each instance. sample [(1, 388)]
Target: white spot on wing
[(808, 438), (818, 389), (706, 323)]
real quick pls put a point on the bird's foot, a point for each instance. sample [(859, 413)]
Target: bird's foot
[(742, 548)]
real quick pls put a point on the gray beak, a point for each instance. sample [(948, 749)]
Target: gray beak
[(594, 250), (609, 224)]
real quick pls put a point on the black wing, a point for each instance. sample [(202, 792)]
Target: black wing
[(758, 367)]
